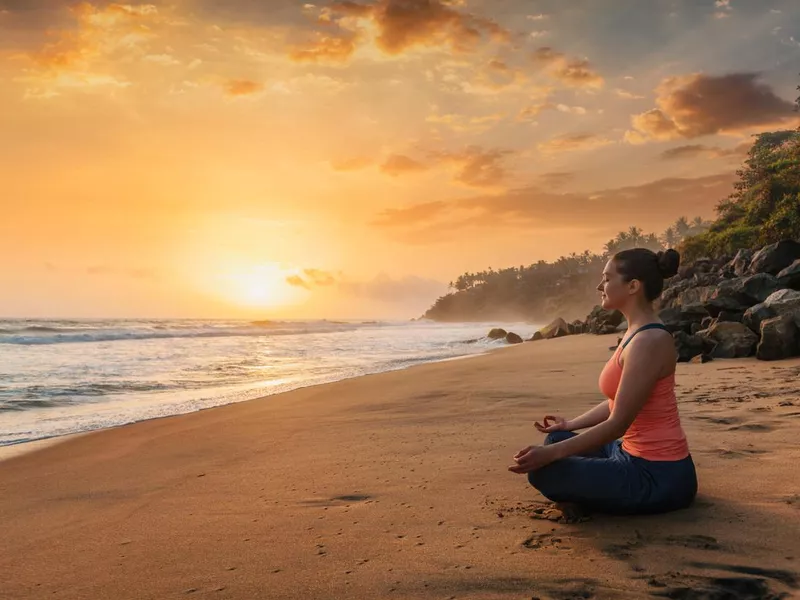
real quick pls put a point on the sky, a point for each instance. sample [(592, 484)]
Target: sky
[(280, 159)]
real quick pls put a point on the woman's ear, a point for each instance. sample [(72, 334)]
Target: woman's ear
[(634, 285)]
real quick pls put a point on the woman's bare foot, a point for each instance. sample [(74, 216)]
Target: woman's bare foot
[(561, 512)]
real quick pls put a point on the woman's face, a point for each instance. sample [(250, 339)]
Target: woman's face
[(614, 291)]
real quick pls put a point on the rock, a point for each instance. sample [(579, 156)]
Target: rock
[(780, 338), (577, 327), (513, 338), (785, 302), (497, 334), (790, 276), (687, 346), (721, 303), (602, 321), (737, 295), (701, 358), (754, 315), (557, 328), (706, 322), (536, 337), (683, 318), (774, 258), (695, 327), (729, 317), (741, 261), (733, 340), (622, 327)]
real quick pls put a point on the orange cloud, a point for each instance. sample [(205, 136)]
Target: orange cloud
[(399, 164), (351, 164), (573, 72), (399, 25), (696, 105), (532, 207), (243, 87), (572, 142), (693, 151)]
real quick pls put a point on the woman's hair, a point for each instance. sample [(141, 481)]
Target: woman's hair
[(651, 268)]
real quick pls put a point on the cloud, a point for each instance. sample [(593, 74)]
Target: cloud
[(627, 95), (573, 72), (162, 59), (531, 208), (573, 142), (311, 278), (326, 48), (463, 123), (696, 105), (693, 151), (399, 164), (473, 166), (556, 180), (497, 75), (80, 52), (384, 288), (243, 87), (399, 25)]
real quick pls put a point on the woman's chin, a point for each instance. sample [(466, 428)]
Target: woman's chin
[(605, 304)]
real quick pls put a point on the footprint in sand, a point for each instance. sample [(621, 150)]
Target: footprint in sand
[(755, 427)]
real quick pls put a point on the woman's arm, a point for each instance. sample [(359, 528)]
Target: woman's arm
[(642, 368), (590, 418)]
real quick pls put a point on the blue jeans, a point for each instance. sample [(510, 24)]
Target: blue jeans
[(610, 480)]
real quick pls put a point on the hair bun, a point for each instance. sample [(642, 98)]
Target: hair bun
[(668, 262)]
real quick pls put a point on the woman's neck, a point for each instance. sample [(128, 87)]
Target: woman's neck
[(639, 316)]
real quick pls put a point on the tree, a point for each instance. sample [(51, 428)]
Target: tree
[(670, 238), (682, 227)]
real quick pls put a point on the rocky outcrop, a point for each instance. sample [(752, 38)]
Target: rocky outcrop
[(730, 307), (731, 340)]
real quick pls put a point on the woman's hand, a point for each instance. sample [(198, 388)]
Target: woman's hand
[(558, 424), (532, 458)]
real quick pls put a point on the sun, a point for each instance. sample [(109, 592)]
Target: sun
[(258, 286)]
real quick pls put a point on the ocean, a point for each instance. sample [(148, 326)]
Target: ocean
[(59, 377)]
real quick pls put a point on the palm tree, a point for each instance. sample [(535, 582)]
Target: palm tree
[(682, 227), (669, 237), (635, 235)]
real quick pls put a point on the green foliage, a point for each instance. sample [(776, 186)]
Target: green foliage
[(765, 205)]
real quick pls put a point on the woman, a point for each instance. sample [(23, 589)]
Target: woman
[(650, 470)]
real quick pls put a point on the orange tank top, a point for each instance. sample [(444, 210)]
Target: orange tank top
[(656, 433)]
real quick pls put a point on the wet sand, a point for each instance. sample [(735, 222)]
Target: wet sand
[(395, 486)]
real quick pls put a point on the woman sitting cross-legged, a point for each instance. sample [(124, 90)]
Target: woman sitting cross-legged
[(650, 470)]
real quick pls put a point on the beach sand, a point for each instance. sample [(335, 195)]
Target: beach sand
[(395, 486)]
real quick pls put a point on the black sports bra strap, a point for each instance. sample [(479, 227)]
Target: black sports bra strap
[(642, 328)]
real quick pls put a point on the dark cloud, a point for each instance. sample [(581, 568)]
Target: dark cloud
[(697, 105), (399, 25), (574, 72), (692, 151), (650, 206)]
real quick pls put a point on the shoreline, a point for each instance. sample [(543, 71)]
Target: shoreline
[(8, 451), (395, 485)]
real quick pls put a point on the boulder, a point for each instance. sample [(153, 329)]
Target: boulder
[(733, 340), (706, 322), (601, 321), (536, 337), (557, 328), (790, 276), (780, 338), (754, 315), (497, 334), (513, 338), (785, 302), (687, 346), (683, 318), (577, 327), (774, 258), (622, 327), (741, 262), (729, 317)]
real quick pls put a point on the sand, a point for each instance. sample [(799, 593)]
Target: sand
[(395, 486)]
